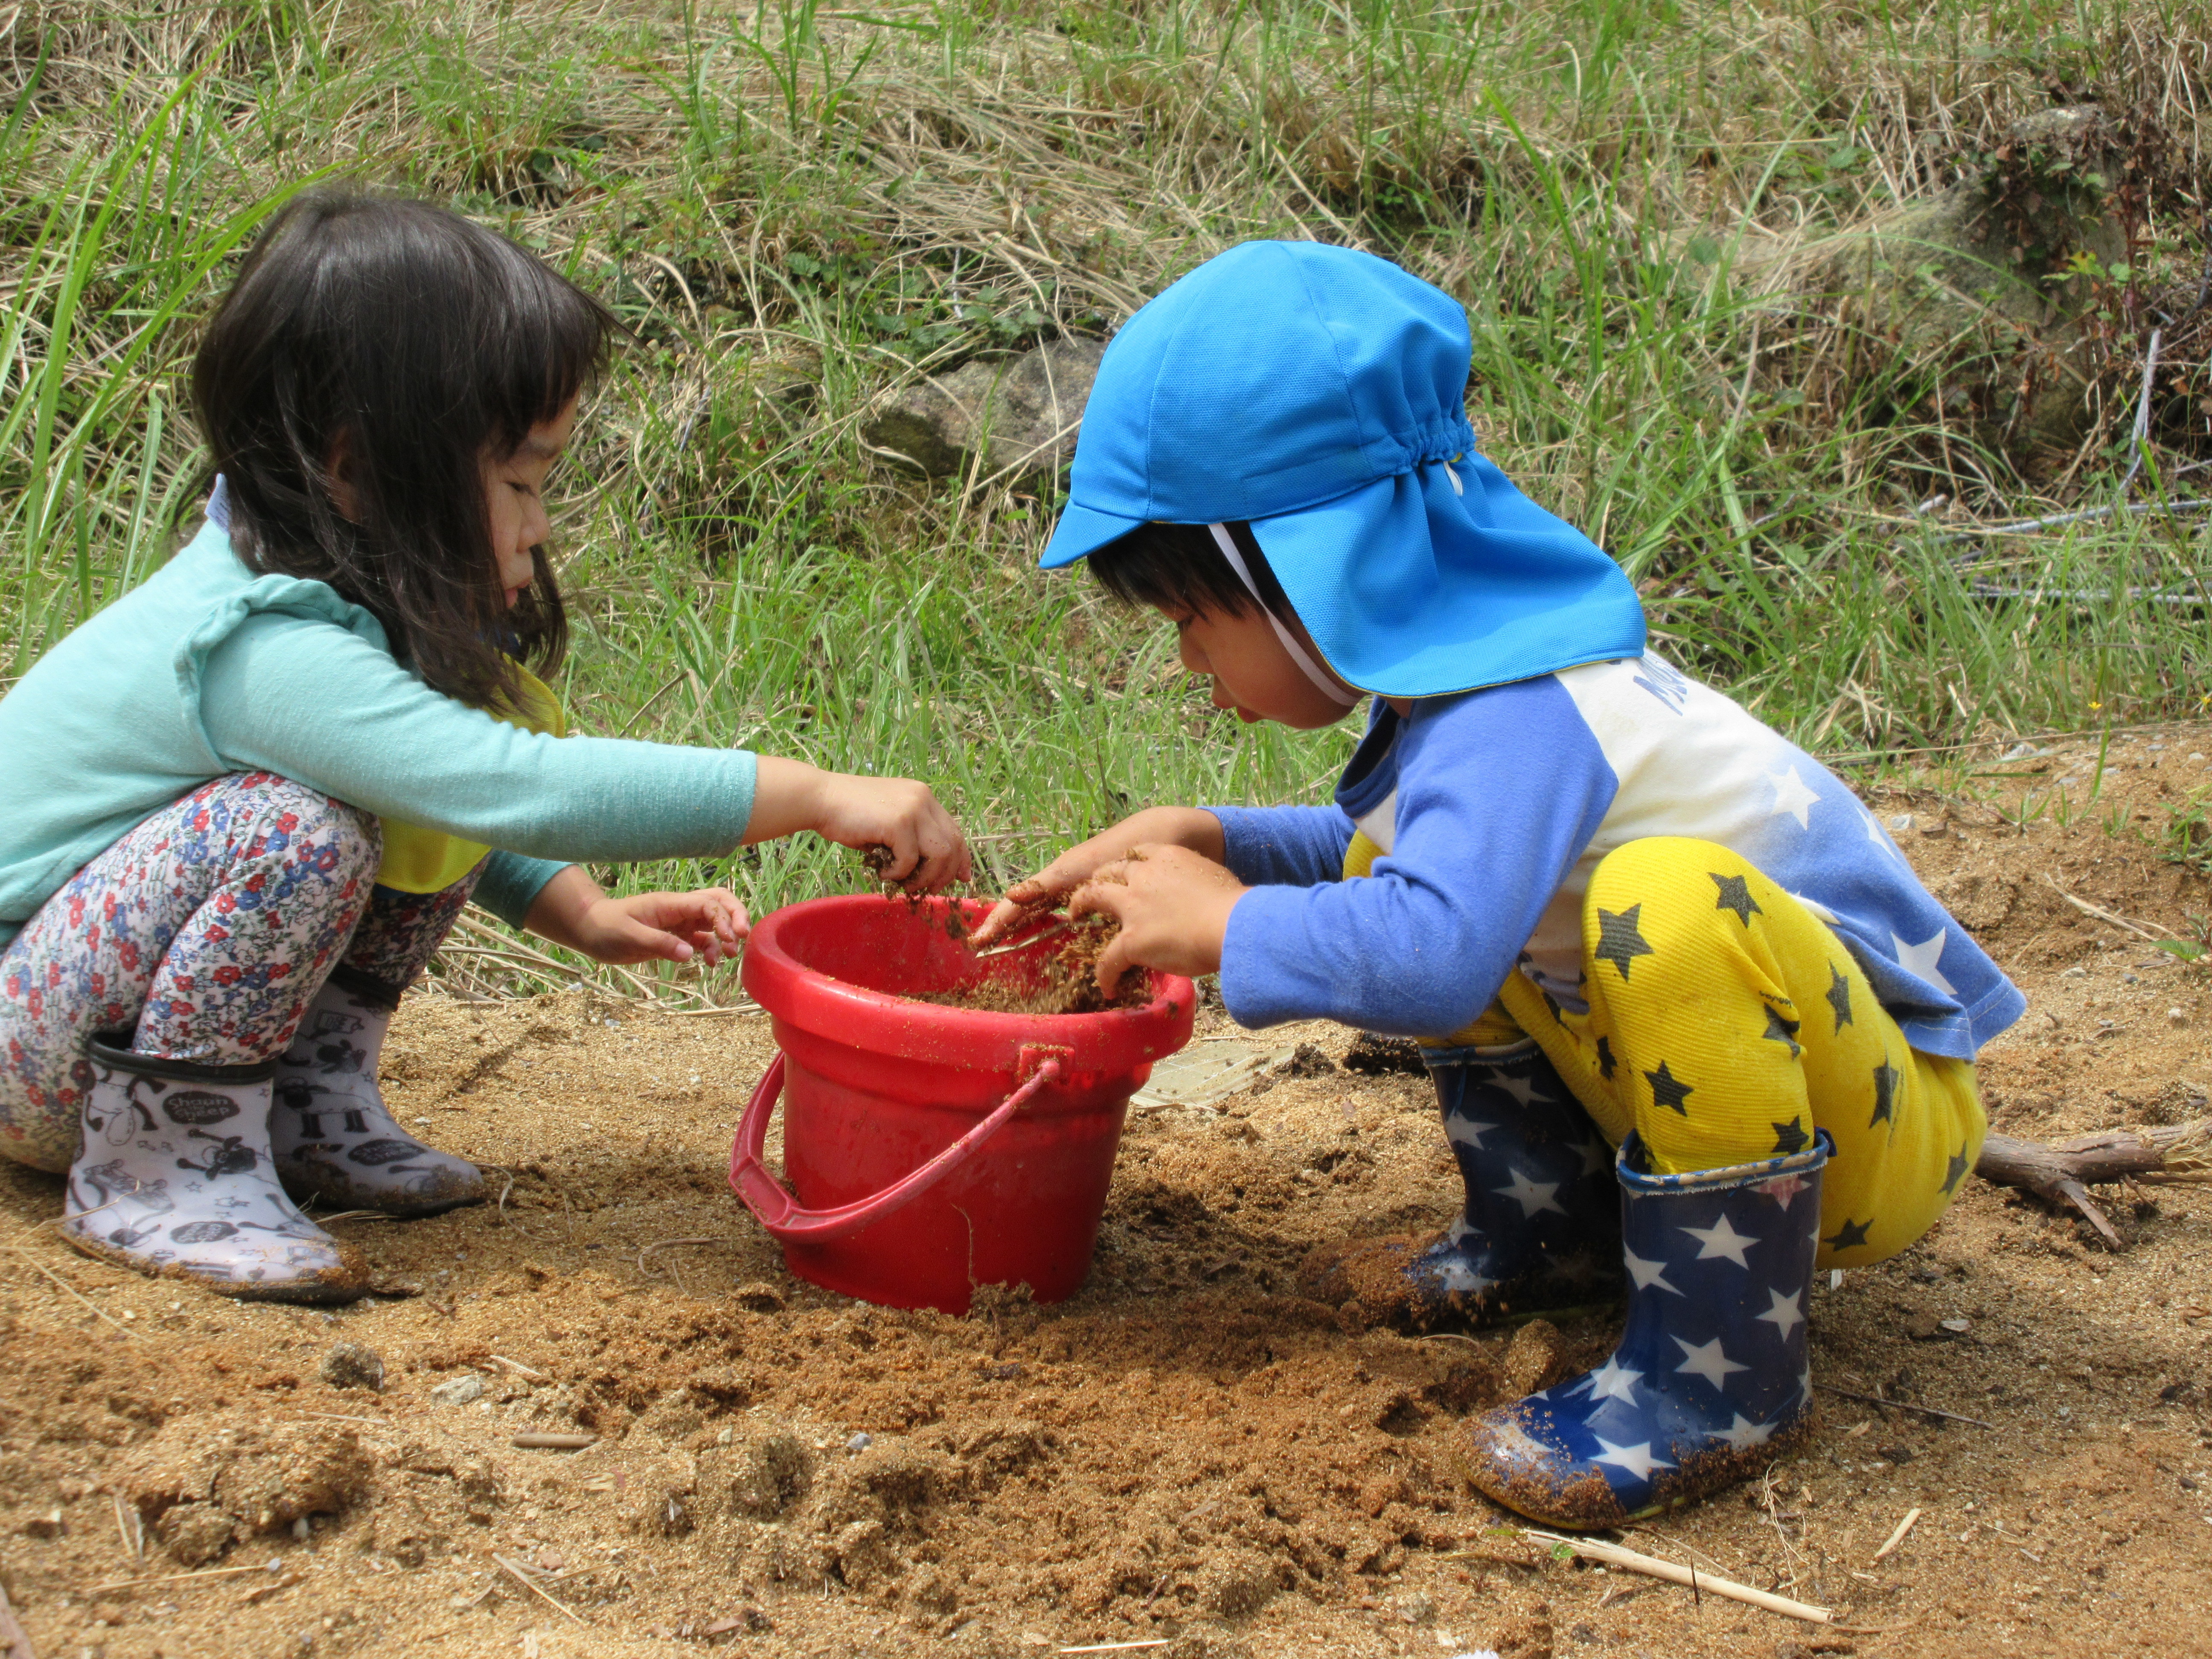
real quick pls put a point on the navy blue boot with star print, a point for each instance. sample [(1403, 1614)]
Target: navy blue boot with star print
[(1538, 1231), (1709, 1382)]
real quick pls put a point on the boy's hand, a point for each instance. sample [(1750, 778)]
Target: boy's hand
[(572, 909), (928, 851), (1173, 905), (1188, 828), (663, 926)]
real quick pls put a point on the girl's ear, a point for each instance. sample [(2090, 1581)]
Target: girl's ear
[(338, 473)]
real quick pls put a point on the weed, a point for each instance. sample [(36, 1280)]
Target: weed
[(797, 210)]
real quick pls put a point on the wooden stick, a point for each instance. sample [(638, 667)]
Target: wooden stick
[(1635, 1561), (1898, 1537), (1117, 1647), (515, 1571), (177, 1578), (2062, 1172), (545, 1441), (13, 1643), (1902, 1406), (521, 1370)]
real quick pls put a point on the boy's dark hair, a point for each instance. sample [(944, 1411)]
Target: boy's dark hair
[(1179, 567), (419, 343)]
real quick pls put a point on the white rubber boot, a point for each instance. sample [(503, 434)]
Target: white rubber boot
[(172, 1176), (335, 1142)]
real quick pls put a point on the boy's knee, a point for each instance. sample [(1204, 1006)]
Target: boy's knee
[(1654, 866)]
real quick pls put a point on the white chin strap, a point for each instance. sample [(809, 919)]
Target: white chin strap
[(1324, 681)]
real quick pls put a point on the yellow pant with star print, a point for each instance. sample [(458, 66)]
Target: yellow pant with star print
[(1727, 1024)]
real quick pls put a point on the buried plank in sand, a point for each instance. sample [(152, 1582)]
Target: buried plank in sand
[(215, 884), (1695, 1028)]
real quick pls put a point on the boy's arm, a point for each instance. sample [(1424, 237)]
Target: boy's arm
[(1498, 796), (1291, 846)]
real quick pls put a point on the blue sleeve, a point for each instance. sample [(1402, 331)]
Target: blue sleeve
[(511, 882), (331, 710), (1498, 793), (1296, 845)]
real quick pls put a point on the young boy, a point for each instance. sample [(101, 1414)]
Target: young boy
[(1607, 901)]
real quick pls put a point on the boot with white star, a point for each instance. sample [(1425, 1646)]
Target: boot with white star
[(1539, 1229), (1710, 1380), (172, 1177), (335, 1141)]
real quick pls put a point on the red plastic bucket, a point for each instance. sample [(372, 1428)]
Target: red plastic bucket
[(934, 1149)]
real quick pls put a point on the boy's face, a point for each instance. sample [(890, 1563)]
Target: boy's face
[(512, 502), (1251, 671)]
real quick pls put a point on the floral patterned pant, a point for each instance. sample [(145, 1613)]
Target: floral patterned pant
[(205, 932)]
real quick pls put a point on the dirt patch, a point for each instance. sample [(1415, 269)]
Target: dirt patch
[(1064, 981), (1187, 1452)]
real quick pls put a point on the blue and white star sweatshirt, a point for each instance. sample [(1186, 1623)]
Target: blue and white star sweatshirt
[(1489, 811)]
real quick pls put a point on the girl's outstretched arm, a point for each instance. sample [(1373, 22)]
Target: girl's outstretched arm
[(927, 849)]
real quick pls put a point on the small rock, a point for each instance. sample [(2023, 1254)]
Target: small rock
[(860, 1442), (773, 1474), (1308, 1060), (1237, 1583), (1894, 1454), (1924, 1327), (459, 1390), (196, 1533), (1417, 1610), (350, 1365), (301, 1530), (1953, 1327), (1013, 417), (1901, 822)]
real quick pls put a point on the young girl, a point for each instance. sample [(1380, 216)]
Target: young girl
[(245, 802), (1608, 902)]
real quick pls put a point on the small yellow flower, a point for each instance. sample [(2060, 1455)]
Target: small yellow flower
[(2094, 707)]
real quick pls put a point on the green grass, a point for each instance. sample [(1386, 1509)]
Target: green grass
[(798, 209)]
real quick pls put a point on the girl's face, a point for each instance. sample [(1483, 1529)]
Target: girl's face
[(1251, 671), (513, 501)]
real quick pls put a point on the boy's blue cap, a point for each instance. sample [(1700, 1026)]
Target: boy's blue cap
[(1320, 393)]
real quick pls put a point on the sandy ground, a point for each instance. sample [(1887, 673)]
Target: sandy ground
[(1185, 1454)]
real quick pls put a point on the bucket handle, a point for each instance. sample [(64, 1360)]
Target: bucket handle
[(786, 1218)]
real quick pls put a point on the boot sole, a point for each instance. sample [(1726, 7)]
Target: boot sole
[(345, 1284)]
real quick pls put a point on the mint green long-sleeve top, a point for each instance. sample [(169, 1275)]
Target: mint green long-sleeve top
[(208, 669)]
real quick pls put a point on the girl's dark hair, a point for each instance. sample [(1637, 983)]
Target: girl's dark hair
[(1179, 567), (418, 343)]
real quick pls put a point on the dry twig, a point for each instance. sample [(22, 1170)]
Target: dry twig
[(521, 1575), (1614, 1555), (2064, 1171), (1898, 1537), (1902, 1406)]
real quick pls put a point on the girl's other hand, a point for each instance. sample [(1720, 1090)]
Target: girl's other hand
[(1190, 828), (704, 925), (1173, 905)]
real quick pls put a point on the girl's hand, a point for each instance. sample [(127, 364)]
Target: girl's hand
[(928, 851), (572, 909), (664, 927), (1188, 828), (1173, 905)]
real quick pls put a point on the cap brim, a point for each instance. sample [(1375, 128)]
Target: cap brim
[(1081, 532)]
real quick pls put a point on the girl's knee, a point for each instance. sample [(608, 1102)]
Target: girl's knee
[(340, 842)]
